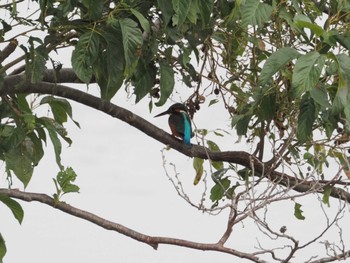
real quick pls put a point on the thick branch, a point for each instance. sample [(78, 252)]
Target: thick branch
[(64, 75), (17, 84), (109, 225)]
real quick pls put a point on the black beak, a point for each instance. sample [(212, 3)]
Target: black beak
[(163, 113)]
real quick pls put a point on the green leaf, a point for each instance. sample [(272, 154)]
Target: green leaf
[(36, 59), (307, 72), (267, 107), (231, 10), (5, 27), (60, 108), (3, 249), (347, 111), (216, 176), (320, 96), (340, 68), (181, 8), (34, 146), (143, 21), (14, 206), (231, 191), (109, 67), (217, 192), (343, 71), (241, 123), (329, 123), (217, 165), (143, 79), (192, 13), (343, 39), (205, 8), (341, 98), (303, 21), (185, 58), (11, 137), (298, 213), (94, 8), (18, 160), (308, 155), (306, 119), (327, 190), (132, 43), (217, 133), (255, 13), (166, 9), (215, 148), (85, 54), (212, 102), (245, 173), (65, 179), (37, 65), (275, 62), (23, 104), (198, 167), (167, 83), (29, 120), (56, 144), (53, 129)]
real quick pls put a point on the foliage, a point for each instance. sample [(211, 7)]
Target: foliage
[(2, 248), (280, 68), (64, 183), (298, 212), (15, 207)]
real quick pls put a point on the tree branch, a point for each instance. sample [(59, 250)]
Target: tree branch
[(338, 257), (17, 84), (153, 241), (8, 50)]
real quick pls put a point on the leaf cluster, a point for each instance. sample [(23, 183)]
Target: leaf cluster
[(64, 183)]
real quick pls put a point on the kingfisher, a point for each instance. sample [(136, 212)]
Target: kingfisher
[(179, 122)]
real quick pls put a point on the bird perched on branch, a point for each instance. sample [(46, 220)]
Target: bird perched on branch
[(179, 122)]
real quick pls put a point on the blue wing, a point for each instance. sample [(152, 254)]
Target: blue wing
[(187, 129)]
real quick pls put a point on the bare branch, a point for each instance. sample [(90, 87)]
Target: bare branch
[(153, 241), (341, 256)]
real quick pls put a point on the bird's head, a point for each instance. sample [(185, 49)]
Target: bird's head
[(175, 108)]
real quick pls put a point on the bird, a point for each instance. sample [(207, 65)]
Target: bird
[(179, 122)]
